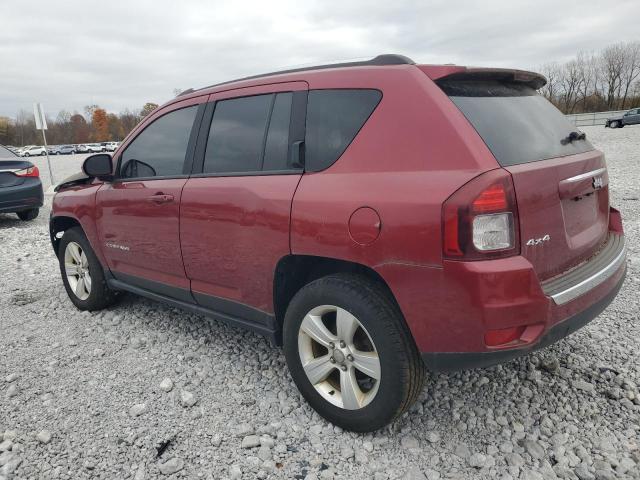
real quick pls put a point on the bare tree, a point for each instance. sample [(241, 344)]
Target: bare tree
[(572, 83), (612, 64), (631, 68), (553, 73)]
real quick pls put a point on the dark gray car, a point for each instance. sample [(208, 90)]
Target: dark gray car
[(20, 186), (632, 117)]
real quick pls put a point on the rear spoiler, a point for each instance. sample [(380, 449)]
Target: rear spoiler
[(457, 73)]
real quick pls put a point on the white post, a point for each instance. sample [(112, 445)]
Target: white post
[(41, 124), (46, 151)]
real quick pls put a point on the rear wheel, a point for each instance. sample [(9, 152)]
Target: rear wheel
[(27, 215), (350, 353), (82, 274)]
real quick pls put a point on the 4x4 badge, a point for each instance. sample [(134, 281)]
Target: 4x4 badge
[(538, 241)]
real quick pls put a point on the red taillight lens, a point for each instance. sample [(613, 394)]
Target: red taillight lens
[(480, 220), (493, 199), (28, 172)]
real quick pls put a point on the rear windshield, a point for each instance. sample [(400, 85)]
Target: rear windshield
[(6, 153), (517, 124)]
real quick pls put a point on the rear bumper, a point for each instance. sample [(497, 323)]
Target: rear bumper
[(454, 310), (22, 197), (449, 362)]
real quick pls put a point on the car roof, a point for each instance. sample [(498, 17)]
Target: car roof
[(385, 61)]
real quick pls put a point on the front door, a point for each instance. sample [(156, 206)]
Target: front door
[(138, 214), (236, 206)]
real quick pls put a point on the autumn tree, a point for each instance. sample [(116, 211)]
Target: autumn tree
[(148, 108), (116, 131), (100, 125), (80, 130)]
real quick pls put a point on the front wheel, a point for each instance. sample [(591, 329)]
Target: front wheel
[(614, 125), (28, 215), (350, 353), (82, 274)]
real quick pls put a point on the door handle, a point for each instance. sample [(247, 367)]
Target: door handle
[(160, 198)]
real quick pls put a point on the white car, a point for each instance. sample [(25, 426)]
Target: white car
[(95, 147), (32, 151), (111, 146)]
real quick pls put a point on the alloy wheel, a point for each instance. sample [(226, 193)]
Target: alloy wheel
[(339, 357), (76, 266)]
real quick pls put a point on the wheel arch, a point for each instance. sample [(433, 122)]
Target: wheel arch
[(295, 271), (57, 226)]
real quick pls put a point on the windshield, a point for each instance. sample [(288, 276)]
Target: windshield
[(516, 123)]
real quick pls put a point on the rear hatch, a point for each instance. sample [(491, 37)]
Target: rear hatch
[(560, 180)]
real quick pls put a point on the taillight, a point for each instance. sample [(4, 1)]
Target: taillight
[(28, 172), (480, 220)]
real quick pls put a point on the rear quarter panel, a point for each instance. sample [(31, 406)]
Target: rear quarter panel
[(413, 152)]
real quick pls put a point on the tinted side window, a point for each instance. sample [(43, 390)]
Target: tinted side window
[(277, 145), (334, 117), (161, 148), (236, 137)]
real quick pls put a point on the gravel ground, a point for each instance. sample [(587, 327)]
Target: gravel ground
[(146, 391)]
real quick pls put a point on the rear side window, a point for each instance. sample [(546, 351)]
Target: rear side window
[(277, 145), (161, 148), (249, 134), (516, 123), (334, 118), (236, 137)]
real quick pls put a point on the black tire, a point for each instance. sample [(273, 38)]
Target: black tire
[(614, 124), (402, 370), (100, 296), (27, 154), (28, 215)]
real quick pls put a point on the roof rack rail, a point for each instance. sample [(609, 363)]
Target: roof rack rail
[(380, 60), (185, 92)]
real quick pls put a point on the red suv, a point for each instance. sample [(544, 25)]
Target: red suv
[(375, 218)]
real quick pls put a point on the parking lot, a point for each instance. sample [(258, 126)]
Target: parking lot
[(97, 383)]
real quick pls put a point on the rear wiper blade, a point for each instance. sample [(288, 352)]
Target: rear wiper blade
[(573, 136)]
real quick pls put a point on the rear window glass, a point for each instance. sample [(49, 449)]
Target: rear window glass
[(334, 118), (6, 153), (517, 124)]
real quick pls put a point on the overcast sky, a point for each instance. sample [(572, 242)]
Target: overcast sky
[(121, 54)]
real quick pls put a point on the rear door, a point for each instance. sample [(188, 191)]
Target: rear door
[(138, 213), (236, 206), (560, 180)]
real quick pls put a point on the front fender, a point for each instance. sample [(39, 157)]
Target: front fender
[(77, 206)]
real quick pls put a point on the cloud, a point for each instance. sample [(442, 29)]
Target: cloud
[(72, 53)]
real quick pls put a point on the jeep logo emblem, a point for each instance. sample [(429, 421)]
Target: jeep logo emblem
[(597, 183)]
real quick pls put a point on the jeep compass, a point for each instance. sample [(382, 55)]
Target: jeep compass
[(377, 219)]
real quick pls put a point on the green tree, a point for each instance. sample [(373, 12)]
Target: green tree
[(148, 108)]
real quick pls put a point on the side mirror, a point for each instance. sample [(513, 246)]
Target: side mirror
[(99, 166)]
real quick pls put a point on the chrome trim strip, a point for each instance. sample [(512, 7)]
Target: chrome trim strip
[(593, 281), (12, 170), (582, 176)]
